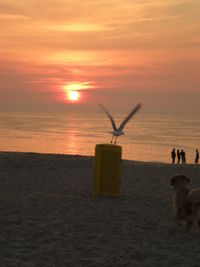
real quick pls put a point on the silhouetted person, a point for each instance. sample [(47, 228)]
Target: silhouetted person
[(173, 155), (178, 156), (183, 156), (197, 157)]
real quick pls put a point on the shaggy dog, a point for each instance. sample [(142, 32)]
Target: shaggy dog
[(186, 201)]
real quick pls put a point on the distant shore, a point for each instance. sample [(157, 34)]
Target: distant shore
[(49, 217)]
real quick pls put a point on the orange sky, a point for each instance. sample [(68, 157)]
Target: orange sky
[(124, 51)]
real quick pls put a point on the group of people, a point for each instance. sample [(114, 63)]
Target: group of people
[(181, 156)]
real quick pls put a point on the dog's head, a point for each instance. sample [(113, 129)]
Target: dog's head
[(179, 180)]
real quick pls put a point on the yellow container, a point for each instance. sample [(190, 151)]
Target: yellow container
[(107, 170)]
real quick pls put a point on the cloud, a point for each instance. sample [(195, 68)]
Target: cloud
[(133, 45), (13, 17)]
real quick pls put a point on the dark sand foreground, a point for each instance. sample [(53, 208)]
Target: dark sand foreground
[(48, 216)]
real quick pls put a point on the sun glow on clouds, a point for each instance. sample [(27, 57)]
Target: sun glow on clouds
[(78, 27), (73, 90), (142, 46)]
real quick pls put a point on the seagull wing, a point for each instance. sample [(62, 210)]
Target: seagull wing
[(109, 116), (129, 116)]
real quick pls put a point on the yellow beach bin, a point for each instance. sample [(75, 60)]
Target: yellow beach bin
[(107, 170)]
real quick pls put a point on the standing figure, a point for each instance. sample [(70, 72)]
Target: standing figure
[(173, 155), (183, 157), (178, 156), (197, 157)]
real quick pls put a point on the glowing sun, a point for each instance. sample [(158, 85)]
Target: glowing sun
[(73, 95), (74, 90)]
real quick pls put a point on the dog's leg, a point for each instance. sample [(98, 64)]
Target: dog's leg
[(189, 223), (193, 217), (198, 222), (197, 215), (179, 222), (190, 218)]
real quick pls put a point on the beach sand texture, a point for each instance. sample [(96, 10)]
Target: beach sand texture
[(48, 216)]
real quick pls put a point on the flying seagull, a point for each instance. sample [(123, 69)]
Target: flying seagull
[(118, 131)]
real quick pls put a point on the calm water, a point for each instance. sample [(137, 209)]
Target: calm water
[(147, 137)]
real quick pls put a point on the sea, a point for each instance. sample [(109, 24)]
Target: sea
[(148, 137)]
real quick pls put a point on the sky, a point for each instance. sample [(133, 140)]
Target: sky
[(118, 52)]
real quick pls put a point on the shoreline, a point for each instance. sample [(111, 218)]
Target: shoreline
[(91, 157)]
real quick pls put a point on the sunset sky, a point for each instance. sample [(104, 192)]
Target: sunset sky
[(113, 51)]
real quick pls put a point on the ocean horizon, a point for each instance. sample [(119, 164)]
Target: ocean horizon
[(148, 138)]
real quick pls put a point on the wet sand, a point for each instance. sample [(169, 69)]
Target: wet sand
[(48, 216)]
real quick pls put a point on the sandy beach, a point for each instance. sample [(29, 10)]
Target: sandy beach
[(48, 216)]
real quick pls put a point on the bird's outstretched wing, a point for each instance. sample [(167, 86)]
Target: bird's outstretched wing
[(109, 116), (129, 116)]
